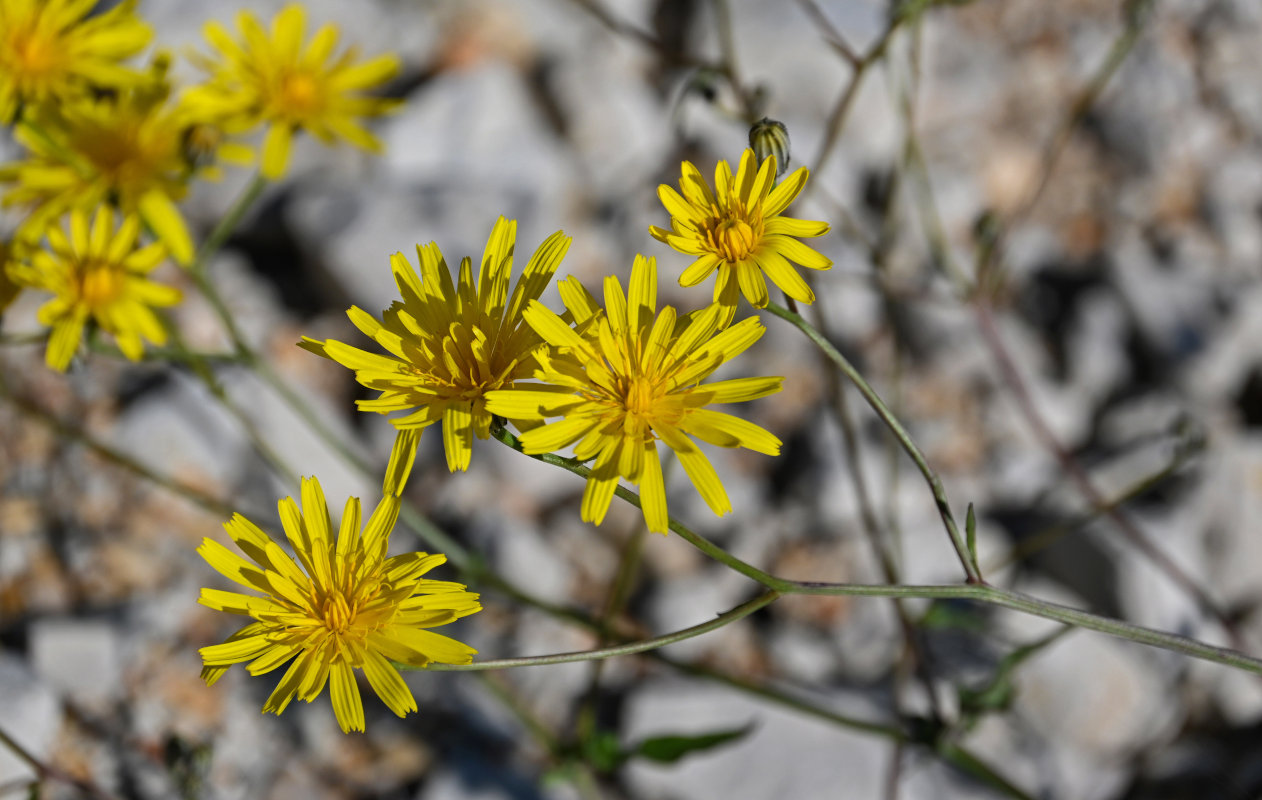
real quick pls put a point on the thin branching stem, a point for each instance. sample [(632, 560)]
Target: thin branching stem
[(900, 433), (979, 592)]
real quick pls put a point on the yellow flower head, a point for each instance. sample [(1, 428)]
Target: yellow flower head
[(342, 606), (98, 274), (449, 344), (129, 149), (50, 50), (274, 79), (737, 229), (635, 374)]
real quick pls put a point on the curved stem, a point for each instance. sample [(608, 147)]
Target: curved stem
[(979, 592), (726, 618), (900, 433)]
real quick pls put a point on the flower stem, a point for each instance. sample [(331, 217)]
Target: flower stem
[(228, 223), (631, 648), (979, 592), (896, 427)]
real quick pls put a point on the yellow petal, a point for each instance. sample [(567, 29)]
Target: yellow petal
[(164, 218)]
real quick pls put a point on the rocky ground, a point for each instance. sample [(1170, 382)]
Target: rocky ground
[(1116, 216)]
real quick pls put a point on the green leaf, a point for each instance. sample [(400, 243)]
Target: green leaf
[(669, 749), (953, 614), (601, 750), (999, 692), (970, 533)]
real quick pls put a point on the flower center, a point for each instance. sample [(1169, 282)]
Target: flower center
[(337, 612), (35, 56), (733, 239), (299, 95), (639, 398), (101, 285)]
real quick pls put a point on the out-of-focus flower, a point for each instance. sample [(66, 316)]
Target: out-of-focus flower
[(127, 149), (449, 344), (273, 79), (342, 606), (737, 229), (98, 274), (51, 50), (635, 374)]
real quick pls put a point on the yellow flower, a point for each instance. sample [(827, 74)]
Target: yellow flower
[(128, 149), (448, 345), (97, 274), (273, 79), (737, 229), (51, 50), (346, 607), (635, 376)]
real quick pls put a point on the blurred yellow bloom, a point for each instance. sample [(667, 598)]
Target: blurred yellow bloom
[(449, 344), (98, 274), (635, 374), (342, 606), (128, 149), (51, 50), (737, 229), (273, 79)]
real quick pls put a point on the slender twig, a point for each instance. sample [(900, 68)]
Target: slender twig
[(896, 427), (48, 772), (841, 110), (1083, 102), (228, 224), (980, 592), (113, 455), (1082, 481), (831, 34), (631, 648)]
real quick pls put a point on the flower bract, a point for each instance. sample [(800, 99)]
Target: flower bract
[(341, 605), (737, 229), (449, 343), (52, 50), (98, 274), (633, 377), (271, 77)]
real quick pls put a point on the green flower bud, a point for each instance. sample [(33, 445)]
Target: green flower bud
[(769, 137)]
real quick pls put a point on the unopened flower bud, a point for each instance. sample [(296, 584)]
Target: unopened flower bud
[(769, 137)]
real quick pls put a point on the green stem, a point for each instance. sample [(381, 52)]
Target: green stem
[(631, 648), (696, 540), (228, 223), (900, 433), (979, 592)]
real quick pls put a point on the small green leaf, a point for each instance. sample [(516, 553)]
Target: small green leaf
[(953, 614), (601, 750), (970, 534), (669, 749)]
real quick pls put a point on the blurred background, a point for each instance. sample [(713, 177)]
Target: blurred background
[(1047, 236)]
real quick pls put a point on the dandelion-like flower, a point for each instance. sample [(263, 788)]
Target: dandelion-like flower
[(128, 149), (274, 79), (635, 374), (737, 229), (449, 344), (52, 50), (97, 273), (342, 606)]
